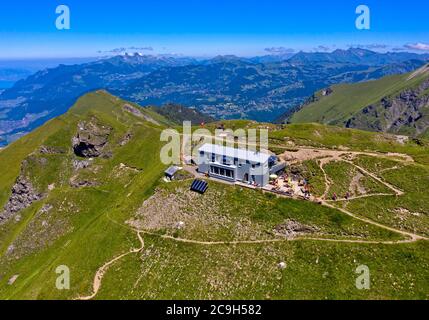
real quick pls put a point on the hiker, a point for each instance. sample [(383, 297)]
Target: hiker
[(347, 195), (334, 197)]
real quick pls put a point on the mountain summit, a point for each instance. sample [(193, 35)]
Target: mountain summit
[(356, 56)]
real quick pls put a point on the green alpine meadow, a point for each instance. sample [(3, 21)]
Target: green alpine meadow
[(87, 191), (214, 159)]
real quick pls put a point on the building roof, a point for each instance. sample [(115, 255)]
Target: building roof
[(172, 171), (241, 154)]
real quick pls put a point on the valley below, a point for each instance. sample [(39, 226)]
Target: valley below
[(264, 89)]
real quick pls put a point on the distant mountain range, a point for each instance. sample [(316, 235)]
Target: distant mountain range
[(396, 104), (357, 56), (226, 87), (8, 76)]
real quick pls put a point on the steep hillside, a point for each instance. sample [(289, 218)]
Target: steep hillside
[(80, 166), (397, 104), (85, 191), (178, 113)]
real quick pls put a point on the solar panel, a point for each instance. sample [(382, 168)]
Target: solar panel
[(199, 186)]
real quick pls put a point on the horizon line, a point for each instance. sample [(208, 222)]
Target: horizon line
[(208, 56)]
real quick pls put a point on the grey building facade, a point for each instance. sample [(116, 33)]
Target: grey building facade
[(233, 165)]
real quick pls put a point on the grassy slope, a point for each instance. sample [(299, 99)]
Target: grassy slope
[(341, 175), (414, 180), (228, 213), (171, 270), (314, 175), (86, 237), (348, 99), (318, 135)]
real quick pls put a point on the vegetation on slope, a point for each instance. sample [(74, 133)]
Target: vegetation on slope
[(322, 136), (85, 238), (233, 239), (177, 114), (397, 104), (173, 270), (228, 213)]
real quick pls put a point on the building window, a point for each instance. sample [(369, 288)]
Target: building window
[(222, 172), (235, 161), (214, 170), (213, 157), (202, 153)]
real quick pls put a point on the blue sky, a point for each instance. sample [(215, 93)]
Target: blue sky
[(207, 27)]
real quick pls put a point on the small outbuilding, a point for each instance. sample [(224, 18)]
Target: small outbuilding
[(171, 172)]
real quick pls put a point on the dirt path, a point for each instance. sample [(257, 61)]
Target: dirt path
[(356, 188), (307, 153), (362, 197), (323, 156), (390, 186), (414, 237), (102, 271), (191, 170), (321, 151), (328, 183), (326, 178)]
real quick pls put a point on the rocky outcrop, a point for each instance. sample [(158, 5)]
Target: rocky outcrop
[(291, 229), (80, 164), (126, 139), (51, 150), (23, 196), (327, 92), (404, 113), (82, 183), (136, 112), (91, 139), (133, 110)]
